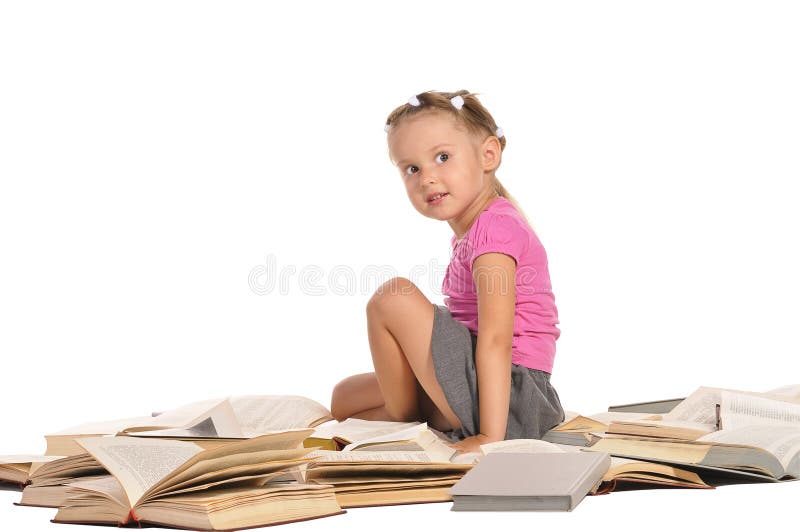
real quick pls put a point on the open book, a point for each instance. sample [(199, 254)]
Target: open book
[(47, 484), (622, 474), (380, 478), (659, 428), (209, 423), (700, 406), (16, 468), (580, 430), (178, 484), (759, 438), (378, 463), (361, 435)]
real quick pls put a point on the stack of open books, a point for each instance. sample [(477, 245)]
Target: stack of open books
[(719, 435), (233, 463), (252, 461)]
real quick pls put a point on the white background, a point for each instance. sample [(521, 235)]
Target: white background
[(155, 155)]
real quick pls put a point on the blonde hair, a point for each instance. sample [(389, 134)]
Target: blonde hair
[(475, 118)]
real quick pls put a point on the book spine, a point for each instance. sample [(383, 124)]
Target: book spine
[(131, 517)]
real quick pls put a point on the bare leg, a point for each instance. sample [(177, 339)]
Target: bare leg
[(396, 379), (359, 396), (378, 413), (400, 324)]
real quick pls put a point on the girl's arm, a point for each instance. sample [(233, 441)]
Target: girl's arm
[(494, 275)]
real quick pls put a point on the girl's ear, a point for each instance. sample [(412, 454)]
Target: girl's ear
[(490, 152)]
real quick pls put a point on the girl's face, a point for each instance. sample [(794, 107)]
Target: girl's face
[(433, 156)]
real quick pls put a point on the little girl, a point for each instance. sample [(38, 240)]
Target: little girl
[(477, 369)]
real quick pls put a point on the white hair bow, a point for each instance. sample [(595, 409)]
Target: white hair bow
[(457, 101)]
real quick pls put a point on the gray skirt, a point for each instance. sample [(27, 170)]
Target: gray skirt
[(534, 406)]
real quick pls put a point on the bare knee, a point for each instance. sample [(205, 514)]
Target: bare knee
[(355, 394), (341, 400), (396, 286)]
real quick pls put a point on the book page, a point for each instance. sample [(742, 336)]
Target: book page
[(579, 424), (608, 417), (104, 427), (411, 432), (707, 427), (185, 415), (738, 410), (700, 406), (467, 458), (521, 446), (138, 464), (239, 451), (27, 458), (214, 417), (220, 464), (790, 391), (783, 441), (370, 456), (261, 414), (354, 429), (105, 484)]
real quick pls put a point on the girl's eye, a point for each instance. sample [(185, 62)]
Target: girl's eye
[(409, 170)]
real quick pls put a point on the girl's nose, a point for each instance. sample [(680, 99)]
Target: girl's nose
[(427, 174)]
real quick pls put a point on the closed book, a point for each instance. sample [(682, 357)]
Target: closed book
[(529, 481)]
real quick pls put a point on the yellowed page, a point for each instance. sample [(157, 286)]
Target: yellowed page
[(26, 458), (579, 424), (253, 478), (670, 423), (411, 432), (626, 467), (261, 414), (407, 440), (371, 456), (700, 406), (569, 415), (783, 441), (521, 446), (376, 468), (281, 440), (353, 429), (738, 410), (106, 484), (466, 458), (138, 463), (658, 450), (199, 470), (608, 417), (362, 480), (104, 427), (213, 417), (791, 392)]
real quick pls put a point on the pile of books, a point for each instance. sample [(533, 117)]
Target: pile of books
[(250, 461), (233, 463), (712, 437)]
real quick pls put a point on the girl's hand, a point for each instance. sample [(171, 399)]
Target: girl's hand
[(471, 444)]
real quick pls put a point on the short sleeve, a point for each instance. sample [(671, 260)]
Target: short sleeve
[(499, 233)]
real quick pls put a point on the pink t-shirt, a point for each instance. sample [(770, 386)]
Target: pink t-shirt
[(500, 228)]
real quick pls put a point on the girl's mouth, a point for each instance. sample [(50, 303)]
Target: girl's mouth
[(438, 198)]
